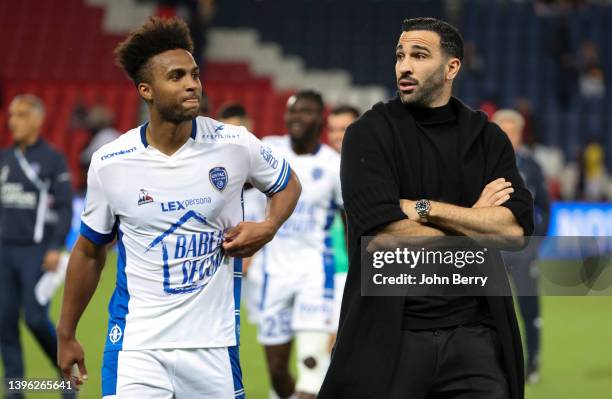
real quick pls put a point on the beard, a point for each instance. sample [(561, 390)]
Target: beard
[(426, 92), (176, 114)]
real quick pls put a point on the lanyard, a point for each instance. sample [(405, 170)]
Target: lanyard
[(43, 188)]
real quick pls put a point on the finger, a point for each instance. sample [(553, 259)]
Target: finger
[(66, 371), (82, 369), (499, 186), (503, 193), (232, 232), (502, 200), (232, 245), (496, 181)]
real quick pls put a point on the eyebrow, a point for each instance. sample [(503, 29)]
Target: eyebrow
[(181, 71), (399, 47), (418, 47)]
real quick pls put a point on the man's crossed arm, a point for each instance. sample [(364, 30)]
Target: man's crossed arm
[(485, 217)]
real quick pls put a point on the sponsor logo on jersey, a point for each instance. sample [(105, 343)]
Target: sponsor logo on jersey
[(190, 260), (120, 152), (317, 173), (218, 177), (172, 206), (144, 197), (266, 154)]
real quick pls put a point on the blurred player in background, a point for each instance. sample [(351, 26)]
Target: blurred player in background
[(170, 190), (234, 114), (293, 275), (35, 216), (522, 264), (338, 120)]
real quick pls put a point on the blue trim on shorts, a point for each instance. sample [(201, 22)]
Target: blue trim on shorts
[(329, 267), (110, 362), (118, 306), (234, 357), (237, 291), (118, 309)]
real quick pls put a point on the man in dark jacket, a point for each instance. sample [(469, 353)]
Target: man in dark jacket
[(35, 217), (521, 265), (424, 164)]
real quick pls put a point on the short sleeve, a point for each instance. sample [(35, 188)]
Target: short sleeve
[(269, 172), (98, 219)]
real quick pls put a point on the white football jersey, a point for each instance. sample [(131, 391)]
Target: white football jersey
[(303, 241), (175, 286)]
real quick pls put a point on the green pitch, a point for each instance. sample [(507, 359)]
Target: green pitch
[(576, 358)]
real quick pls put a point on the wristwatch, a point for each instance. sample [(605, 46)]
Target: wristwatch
[(423, 206)]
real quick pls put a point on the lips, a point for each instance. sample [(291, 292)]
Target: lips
[(193, 101), (406, 84)]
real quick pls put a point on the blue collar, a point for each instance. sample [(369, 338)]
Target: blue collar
[(143, 132)]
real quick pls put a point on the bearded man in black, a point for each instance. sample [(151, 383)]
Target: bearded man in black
[(424, 164)]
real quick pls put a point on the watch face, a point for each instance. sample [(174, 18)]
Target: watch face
[(422, 207)]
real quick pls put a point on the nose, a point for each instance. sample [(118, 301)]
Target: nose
[(193, 84), (405, 66)]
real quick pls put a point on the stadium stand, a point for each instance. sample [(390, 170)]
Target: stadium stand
[(260, 52)]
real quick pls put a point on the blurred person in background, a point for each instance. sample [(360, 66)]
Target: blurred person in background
[(523, 106), (99, 122), (592, 180), (35, 217), (521, 264), (293, 275), (338, 120), (205, 106), (198, 14), (234, 114), (592, 83)]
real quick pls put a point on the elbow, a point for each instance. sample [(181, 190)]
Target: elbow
[(514, 237), (297, 186), (516, 231)]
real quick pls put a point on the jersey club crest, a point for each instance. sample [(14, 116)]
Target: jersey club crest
[(218, 177)]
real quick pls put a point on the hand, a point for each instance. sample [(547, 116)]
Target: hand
[(69, 353), (494, 194), (408, 207), (248, 237), (51, 260)]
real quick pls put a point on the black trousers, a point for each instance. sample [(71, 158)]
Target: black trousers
[(458, 363), (522, 269), (20, 270)]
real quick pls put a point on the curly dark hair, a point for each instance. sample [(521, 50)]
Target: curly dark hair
[(156, 36)]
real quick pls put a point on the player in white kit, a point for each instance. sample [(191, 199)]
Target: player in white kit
[(170, 191), (294, 273)]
